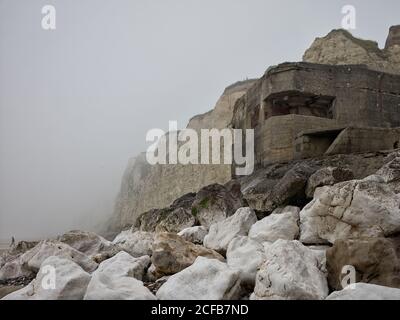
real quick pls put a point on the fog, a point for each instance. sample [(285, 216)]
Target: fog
[(76, 102)]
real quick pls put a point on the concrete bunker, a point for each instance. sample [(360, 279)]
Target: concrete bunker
[(304, 110)]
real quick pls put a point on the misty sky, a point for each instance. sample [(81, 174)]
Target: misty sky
[(76, 102)]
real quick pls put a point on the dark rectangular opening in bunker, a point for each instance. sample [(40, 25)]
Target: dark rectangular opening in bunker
[(301, 103), (316, 142)]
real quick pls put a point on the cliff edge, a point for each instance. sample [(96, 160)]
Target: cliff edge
[(340, 47)]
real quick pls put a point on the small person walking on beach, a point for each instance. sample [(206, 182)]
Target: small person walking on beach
[(12, 242)]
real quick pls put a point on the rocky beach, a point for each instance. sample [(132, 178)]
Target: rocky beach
[(317, 219)]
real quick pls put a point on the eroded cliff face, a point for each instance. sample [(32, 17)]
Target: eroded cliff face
[(145, 187), (221, 116), (132, 183), (340, 47), (159, 186)]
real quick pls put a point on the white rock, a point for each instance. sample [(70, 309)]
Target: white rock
[(26, 293), (365, 291), (353, 209), (86, 242), (291, 272), (30, 262), (390, 172), (294, 210), (35, 257), (15, 269), (117, 279), (194, 234), (119, 288), (282, 225), (320, 252), (136, 243), (327, 176), (124, 265), (319, 248), (70, 282), (223, 232), (245, 255), (206, 279), (266, 246)]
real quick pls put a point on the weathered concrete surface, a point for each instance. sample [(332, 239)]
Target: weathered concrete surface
[(293, 97), (348, 140), (275, 137), (324, 91), (393, 38), (354, 140)]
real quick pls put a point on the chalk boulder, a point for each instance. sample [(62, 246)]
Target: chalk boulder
[(291, 272), (245, 255), (59, 278), (206, 279), (194, 234), (223, 232), (280, 225), (119, 278), (136, 243), (364, 291), (171, 254)]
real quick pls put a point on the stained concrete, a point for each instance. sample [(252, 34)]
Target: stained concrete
[(294, 97)]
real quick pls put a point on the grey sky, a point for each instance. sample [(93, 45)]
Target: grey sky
[(76, 103)]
